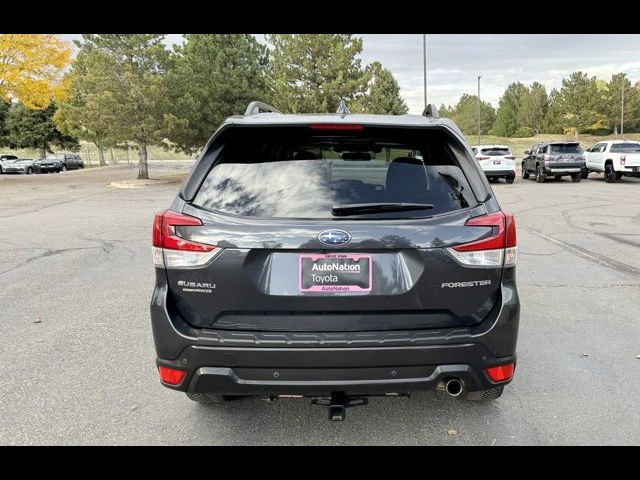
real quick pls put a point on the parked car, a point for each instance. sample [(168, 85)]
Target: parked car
[(47, 165), (614, 158), (21, 165), (554, 159), (6, 158), (285, 276), (67, 161), (496, 161)]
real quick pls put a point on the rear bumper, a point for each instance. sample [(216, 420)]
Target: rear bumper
[(500, 173), (317, 364), (558, 170)]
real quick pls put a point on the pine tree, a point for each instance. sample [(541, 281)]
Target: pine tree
[(212, 77), (134, 68), (312, 72), (384, 94), (28, 128), (533, 107), (507, 117), (465, 115)]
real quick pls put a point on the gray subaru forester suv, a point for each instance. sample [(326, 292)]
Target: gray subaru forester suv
[(335, 256)]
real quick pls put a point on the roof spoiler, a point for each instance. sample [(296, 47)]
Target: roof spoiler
[(430, 111), (259, 107)]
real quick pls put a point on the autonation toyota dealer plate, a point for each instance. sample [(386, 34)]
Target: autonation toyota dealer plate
[(335, 272)]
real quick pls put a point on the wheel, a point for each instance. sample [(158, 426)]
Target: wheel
[(610, 174), (540, 176), (81, 165), (29, 171), (510, 179), (525, 174), (210, 398), (576, 177), (484, 395), (57, 170), (584, 173), (64, 168)]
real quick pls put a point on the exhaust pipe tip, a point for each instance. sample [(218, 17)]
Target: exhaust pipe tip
[(453, 387)]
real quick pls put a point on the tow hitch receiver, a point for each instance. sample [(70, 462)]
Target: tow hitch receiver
[(338, 404)]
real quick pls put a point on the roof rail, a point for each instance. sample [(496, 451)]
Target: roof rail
[(259, 107), (430, 111)]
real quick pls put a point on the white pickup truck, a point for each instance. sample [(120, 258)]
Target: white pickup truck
[(616, 158)]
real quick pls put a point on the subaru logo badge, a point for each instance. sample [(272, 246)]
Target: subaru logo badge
[(334, 237)]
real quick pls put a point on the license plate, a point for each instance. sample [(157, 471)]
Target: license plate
[(496, 162), (335, 272)]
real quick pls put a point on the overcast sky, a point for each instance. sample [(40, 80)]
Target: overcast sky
[(455, 61)]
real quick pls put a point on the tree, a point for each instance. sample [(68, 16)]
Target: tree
[(4, 110), (465, 115), (383, 96), (134, 68), (445, 111), (507, 117), (212, 76), (87, 113), (311, 73), (32, 68), (580, 102), (533, 107), (28, 128), (612, 105)]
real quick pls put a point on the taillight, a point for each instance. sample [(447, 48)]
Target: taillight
[(481, 157), (497, 250), (336, 126), (173, 251), (170, 376), (623, 159), (509, 157), (500, 373)]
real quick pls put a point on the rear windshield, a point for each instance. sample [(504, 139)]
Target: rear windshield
[(55, 157), (495, 151), (565, 148), (304, 173), (625, 147)]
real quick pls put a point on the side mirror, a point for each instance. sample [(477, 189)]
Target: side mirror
[(588, 150), (526, 152)]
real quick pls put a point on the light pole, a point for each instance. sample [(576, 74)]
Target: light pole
[(424, 65), (622, 109), (479, 77)]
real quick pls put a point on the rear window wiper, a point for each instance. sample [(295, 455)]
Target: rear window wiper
[(361, 208)]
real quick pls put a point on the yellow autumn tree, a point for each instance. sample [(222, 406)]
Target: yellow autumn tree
[(32, 68)]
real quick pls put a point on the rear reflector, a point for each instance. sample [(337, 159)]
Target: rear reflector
[(336, 126), (172, 251), (482, 158), (500, 373), (497, 250), (170, 376)]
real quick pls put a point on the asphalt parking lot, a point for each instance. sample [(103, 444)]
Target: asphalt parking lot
[(77, 358)]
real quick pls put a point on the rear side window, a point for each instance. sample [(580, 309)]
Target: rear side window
[(305, 173), (565, 148), (496, 151), (625, 148)]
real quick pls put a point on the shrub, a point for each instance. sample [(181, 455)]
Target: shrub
[(523, 132), (599, 132)]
